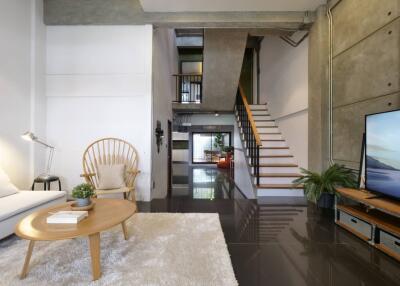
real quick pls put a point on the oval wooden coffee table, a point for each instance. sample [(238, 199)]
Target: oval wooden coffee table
[(105, 214)]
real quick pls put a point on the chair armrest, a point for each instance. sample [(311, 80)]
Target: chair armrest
[(135, 172), (88, 175)]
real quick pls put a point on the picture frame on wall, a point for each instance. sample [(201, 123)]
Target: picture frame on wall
[(361, 174)]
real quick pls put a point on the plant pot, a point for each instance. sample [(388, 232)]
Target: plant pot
[(83, 202), (326, 201)]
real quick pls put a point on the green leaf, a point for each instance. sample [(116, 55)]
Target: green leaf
[(328, 181)]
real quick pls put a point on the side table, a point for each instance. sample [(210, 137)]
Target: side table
[(46, 180)]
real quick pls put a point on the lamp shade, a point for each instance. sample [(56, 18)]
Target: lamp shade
[(28, 136)]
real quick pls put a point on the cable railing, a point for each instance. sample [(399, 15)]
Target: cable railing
[(188, 88), (249, 129)]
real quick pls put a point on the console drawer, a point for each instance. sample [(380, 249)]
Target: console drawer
[(390, 241), (355, 223)]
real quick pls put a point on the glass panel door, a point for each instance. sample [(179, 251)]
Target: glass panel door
[(208, 147)]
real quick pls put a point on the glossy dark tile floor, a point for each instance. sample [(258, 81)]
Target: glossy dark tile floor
[(283, 242)]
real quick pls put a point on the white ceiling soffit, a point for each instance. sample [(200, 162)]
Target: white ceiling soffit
[(229, 5)]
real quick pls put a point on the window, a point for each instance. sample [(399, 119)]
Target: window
[(208, 147)]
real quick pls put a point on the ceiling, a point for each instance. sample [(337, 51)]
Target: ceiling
[(229, 5)]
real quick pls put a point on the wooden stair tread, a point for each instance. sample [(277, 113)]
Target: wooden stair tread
[(269, 133), (273, 148), (280, 175), (264, 120), (274, 140), (276, 156), (278, 165), (279, 186)]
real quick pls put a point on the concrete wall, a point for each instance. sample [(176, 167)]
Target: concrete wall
[(284, 86), (99, 85), (223, 57), (318, 92), (366, 70), (165, 64), (22, 99), (130, 12)]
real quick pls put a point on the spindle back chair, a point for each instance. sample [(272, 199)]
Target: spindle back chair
[(110, 151)]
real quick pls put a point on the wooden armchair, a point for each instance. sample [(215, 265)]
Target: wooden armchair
[(110, 151)]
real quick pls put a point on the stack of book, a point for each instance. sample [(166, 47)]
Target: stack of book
[(68, 217)]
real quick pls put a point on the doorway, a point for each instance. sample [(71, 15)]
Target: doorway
[(208, 146)]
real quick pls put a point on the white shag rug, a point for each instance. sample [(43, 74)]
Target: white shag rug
[(163, 249)]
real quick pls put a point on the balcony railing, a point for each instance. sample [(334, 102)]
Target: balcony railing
[(188, 88)]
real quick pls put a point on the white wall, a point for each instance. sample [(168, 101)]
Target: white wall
[(165, 64), (22, 101), (284, 86), (98, 84)]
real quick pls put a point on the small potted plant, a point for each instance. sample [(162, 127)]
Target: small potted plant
[(321, 188), (229, 149), (82, 193)]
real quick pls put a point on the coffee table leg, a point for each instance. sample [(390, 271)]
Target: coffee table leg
[(125, 230), (27, 259), (94, 241)]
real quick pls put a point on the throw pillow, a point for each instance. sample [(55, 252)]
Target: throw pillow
[(111, 176), (6, 187)]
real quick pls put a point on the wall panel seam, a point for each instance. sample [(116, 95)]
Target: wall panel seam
[(366, 37), (368, 99)]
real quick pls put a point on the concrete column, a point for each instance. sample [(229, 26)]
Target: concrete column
[(318, 92)]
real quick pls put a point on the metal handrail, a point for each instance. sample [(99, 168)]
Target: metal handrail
[(250, 133), (250, 116)]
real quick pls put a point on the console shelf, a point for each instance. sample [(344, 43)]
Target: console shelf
[(374, 220)]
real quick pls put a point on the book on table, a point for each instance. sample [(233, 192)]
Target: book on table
[(70, 217)]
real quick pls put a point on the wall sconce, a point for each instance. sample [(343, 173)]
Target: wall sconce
[(159, 136)]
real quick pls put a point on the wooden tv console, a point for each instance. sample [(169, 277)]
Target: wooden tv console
[(373, 219)]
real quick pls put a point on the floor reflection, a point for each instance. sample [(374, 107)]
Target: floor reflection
[(281, 241), (202, 182)]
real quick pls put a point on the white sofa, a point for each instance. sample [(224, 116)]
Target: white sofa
[(16, 204)]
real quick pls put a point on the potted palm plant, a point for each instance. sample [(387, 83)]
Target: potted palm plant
[(321, 188), (82, 193)]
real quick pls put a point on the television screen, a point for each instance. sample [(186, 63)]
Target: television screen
[(383, 153)]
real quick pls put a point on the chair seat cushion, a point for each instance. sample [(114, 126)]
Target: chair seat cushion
[(111, 176), (24, 200)]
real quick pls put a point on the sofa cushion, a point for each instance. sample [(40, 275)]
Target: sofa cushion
[(25, 200), (6, 187), (6, 191)]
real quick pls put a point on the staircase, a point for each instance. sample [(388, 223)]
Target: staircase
[(274, 169)]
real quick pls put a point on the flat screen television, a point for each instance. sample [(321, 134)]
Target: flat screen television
[(382, 160)]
